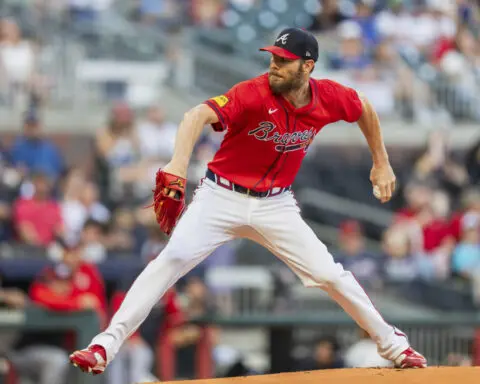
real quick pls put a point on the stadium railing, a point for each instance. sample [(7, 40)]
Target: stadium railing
[(437, 335)]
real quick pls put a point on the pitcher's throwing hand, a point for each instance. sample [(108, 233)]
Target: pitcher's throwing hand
[(383, 181)]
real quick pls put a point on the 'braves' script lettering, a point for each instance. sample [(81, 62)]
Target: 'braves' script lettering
[(286, 142)]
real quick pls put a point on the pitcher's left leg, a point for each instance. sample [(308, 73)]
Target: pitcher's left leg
[(284, 232)]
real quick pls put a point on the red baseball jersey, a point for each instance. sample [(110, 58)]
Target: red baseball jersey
[(266, 137)]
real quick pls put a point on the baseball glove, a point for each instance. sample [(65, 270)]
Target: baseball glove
[(168, 199)]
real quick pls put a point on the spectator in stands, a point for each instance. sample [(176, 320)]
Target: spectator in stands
[(204, 151), (430, 237), (37, 356), (434, 21), (154, 243), (329, 17), (365, 18), (17, 63), (80, 204), (206, 13), (121, 236), (437, 165), (401, 264), (443, 16), (326, 355), (356, 68), (91, 205), (459, 62), (196, 298), (352, 54), (364, 354), (145, 218), (156, 136), (195, 343), (32, 152), (37, 218), (156, 139), (354, 256), (390, 69), (117, 150), (393, 22), (92, 241), (71, 187), (462, 41), (70, 284), (466, 256), (414, 30), (416, 195), (470, 205)]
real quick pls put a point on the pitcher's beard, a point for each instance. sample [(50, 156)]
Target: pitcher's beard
[(285, 86)]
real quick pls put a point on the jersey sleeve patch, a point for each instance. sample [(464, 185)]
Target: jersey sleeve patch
[(221, 100)]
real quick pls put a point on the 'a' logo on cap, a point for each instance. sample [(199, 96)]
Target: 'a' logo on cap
[(283, 38)]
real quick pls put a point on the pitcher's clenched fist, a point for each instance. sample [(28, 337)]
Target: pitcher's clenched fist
[(383, 181)]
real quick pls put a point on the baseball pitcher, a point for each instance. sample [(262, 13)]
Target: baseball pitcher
[(270, 121)]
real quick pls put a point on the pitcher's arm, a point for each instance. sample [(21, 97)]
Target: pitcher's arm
[(369, 124), (381, 175), (187, 136)]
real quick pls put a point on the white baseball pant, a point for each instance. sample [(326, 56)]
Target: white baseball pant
[(217, 215)]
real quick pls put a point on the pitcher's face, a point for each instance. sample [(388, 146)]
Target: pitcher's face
[(285, 75)]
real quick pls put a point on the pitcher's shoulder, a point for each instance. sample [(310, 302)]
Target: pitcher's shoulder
[(328, 85), (331, 89)]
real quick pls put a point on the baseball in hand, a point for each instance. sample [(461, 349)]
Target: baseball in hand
[(376, 192)]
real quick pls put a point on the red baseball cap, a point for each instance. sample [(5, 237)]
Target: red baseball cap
[(294, 44)]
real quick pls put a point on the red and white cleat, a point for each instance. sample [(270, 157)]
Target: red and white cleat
[(91, 360), (410, 359)]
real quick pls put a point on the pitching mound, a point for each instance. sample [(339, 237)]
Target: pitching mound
[(432, 375)]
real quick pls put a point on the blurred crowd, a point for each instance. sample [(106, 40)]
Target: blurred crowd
[(435, 235), (20, 80), (411, 58), (394, 51), (100, 202)]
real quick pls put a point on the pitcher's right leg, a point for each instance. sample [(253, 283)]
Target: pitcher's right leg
[(281, 228), (203, 227)]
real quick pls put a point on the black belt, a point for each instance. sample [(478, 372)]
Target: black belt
[(246, 191)]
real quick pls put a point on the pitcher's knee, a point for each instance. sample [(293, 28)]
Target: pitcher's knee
[(323, 278)]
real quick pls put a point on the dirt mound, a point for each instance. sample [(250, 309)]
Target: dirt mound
[(431, 375)]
